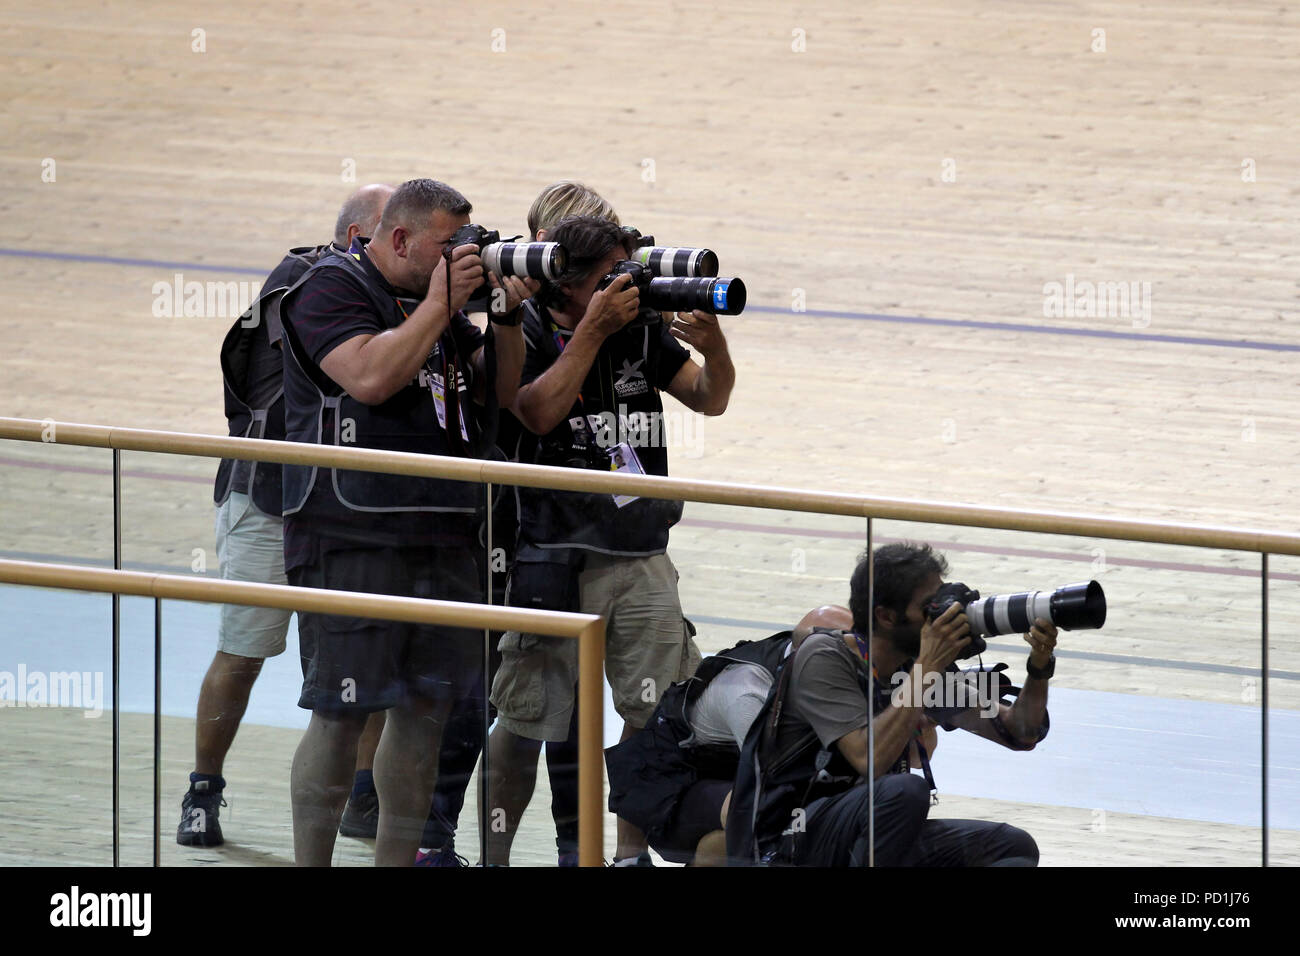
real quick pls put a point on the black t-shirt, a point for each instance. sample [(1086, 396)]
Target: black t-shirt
[(335, 307), (619, 403), (332, 307)]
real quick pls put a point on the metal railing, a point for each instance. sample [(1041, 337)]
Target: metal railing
[(750, 496)]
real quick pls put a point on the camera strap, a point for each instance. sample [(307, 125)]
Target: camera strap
[(925, 769)]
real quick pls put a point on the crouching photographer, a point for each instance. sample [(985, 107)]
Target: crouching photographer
[(801, 796)]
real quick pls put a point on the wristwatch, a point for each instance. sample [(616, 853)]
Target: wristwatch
[(1043, 674), (510, 319)]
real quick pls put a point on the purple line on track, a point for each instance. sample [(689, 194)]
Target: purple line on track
[(1040, 329), (120, 261), (770, 309), (84, 470)]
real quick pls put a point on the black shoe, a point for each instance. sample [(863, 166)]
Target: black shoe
[(361, 817), (200, 814)]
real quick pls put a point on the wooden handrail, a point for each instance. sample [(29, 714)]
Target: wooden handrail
[(588, 629), (649, 486)]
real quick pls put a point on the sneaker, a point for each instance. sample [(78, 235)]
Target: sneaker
[(361, 817), (200, 811), (641, 860), (447, 856)]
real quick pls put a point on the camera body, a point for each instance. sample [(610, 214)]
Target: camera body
[(956, 593), (534, 260)]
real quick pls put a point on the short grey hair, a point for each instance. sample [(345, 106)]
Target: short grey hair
[(416, 200), (363, 207)]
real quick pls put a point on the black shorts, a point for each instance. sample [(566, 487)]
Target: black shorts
[(357, 664), (698, 815)]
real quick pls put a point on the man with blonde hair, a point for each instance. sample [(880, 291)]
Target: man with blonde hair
[(566, 198)]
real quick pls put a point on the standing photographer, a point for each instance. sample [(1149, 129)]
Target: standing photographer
[(592, 380), (250, 535), (381, 357), (812, 806)]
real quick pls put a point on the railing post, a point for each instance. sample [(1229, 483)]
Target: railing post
[(1263, 715), (487, 687), (871, 717), (117, 655), (591, 735), (157, 726)]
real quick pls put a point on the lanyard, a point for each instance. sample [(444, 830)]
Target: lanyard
[(451, 388), (864, 651)]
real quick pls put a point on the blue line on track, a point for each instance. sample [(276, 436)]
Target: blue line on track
[(769, 309)]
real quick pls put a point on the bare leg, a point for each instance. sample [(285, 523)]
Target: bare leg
[(631, 841), (320, 783), (406, 772), (512, 762), (370, 741), (711, 850), (223, 698)]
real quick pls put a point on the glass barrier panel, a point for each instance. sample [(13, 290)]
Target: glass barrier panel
[(1153, 753), (1283, 709), (55, 660)]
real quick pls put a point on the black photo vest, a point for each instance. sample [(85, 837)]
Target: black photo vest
[(318, 411), (567, 519), (249, 333)]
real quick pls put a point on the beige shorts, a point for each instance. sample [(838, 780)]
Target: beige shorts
[(250, 547), (647, 647)]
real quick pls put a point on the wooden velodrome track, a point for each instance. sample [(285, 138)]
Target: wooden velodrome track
[(912, 162)]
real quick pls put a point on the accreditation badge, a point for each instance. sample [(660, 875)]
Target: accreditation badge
[(622, 458)]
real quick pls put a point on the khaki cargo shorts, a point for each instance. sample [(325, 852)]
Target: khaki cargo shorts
[(648, 646)]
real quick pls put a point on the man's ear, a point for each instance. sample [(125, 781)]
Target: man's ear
[(886, 618), (401, 241)]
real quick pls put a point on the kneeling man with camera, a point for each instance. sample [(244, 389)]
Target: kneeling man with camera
[(801, 796)]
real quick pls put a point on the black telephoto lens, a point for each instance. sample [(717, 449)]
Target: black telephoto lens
[(719, 296)]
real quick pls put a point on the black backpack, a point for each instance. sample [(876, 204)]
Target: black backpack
[(650, 771)]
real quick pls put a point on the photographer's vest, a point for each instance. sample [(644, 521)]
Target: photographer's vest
[(318, 411), (248, 334), (651, 771), (566, 519)]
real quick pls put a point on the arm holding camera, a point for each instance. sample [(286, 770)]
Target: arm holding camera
[(704, 389), (374, 368), (509, 336), (545, 403), (1023, 720), (942, 640)]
